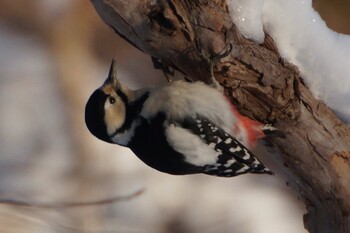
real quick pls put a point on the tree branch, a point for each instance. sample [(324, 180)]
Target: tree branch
[(187, 35)]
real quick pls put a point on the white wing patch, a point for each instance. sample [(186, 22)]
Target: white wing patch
[(196, 152)]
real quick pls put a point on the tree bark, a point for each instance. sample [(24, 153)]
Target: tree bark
[(190, 36)]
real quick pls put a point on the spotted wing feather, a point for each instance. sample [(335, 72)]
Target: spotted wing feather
[(233, 158)]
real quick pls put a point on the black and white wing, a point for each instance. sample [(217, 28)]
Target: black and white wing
[(204, 144)]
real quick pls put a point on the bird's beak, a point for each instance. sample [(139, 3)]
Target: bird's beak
[(113, 82), (112, 75)]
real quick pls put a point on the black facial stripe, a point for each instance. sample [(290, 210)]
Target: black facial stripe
[(122, 96)]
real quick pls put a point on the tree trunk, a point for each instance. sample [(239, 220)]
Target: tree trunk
[(190, 36)]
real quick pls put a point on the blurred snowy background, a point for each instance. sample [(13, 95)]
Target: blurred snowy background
[(53, 54)]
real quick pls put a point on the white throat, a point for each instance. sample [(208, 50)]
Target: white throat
[(123, 138)]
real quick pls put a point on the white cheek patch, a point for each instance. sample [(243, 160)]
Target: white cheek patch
[(114, 115), (107, 104)]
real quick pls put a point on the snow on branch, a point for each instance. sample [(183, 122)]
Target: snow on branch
[(303, 38)]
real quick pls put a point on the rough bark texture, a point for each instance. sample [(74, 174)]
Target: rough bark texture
[(190, 35)]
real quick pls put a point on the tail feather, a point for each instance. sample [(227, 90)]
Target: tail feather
[(270, 131), (263, 171)]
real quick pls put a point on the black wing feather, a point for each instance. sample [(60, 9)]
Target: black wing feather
[(234, 158)]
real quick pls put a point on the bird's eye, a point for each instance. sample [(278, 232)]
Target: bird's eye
[(111, 100)]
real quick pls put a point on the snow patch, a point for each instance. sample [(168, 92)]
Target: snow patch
[(302, 38), (246, 14)]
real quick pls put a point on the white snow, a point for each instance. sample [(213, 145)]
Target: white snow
[(246, 14), (302, 37)]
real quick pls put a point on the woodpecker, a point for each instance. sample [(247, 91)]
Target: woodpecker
[(178, 128)]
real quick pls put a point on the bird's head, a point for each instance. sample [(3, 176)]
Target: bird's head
[(105, 111)]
